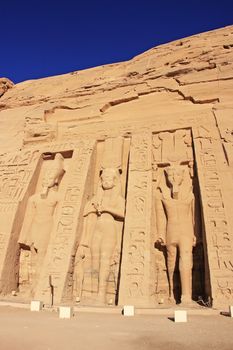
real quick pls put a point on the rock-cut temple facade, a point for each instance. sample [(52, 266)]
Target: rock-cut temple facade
[(116, 182)]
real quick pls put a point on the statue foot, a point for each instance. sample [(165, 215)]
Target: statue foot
[(187, 301), (110, 302), (171, 301), (77, 300), (100, 300)]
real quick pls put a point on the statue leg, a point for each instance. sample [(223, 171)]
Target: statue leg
[(171, 262), (107, 250), (24, 270), (34, 270), (185, 267), (79, 276), (95, 259), (37, 260)]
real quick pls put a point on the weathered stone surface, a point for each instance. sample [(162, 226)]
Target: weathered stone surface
[(139, 212), (5, 84)]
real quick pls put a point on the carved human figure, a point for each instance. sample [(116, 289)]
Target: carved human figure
[(174, 205), (101, 233), (38, 222)]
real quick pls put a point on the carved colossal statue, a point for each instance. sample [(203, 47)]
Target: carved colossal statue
[(38, 222), (174, 205), (101, 232)]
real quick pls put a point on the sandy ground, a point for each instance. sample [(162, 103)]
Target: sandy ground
[(22, 329)]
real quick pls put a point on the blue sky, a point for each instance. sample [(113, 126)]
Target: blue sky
[(44, 38)]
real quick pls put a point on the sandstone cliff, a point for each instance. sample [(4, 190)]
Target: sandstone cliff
[(182, 77)]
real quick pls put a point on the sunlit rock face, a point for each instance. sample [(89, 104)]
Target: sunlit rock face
[(116, 182)]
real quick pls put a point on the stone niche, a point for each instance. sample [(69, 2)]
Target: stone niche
[(39, 218), (99, 250), (42, 195), (164, 251), (179, 257)]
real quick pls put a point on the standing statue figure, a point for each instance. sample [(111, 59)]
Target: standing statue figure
[(174, 206), (38, 222), (101, 233)]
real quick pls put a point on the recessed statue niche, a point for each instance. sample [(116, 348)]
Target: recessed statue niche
[(99, 250), (179, 249), (37, 226)]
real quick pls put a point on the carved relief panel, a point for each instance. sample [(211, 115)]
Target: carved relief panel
[(136, 258), (224, 122), (215, 178)]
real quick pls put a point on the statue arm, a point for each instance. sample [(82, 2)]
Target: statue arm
[(161, 221), (90, 207), (88, 229), (58, 199), (24, 237), (90, 217), (118, 210), (193, 221)]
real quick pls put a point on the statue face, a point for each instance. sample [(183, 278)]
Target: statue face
[(49, 179), (107, 178), (175, 176)]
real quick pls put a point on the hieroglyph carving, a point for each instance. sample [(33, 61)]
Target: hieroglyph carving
[(219, 237), (166, 144), (135, 267)]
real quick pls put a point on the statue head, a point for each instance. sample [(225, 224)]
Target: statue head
[(175, 177), (53, 173), (109, 177)]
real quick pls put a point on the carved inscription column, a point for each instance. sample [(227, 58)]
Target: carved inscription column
[(136, 260), (212, 174), (57, 263)]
